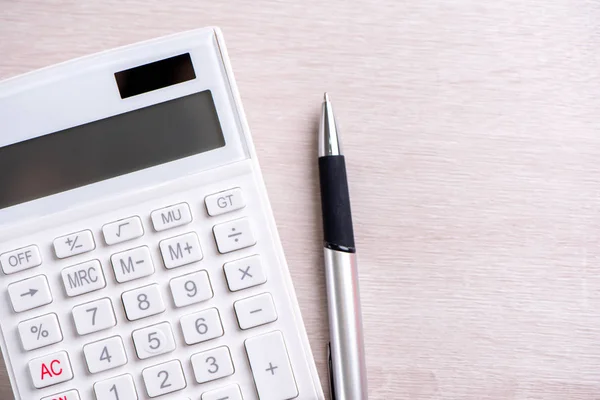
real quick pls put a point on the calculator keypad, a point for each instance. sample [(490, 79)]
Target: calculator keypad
[(50, 370), (212, 364), (94, 316), (153, 340), (156, 339), (83, 278), (143, 302), (69, 395), (123, 230), (191, 289), (105, 354), (181, 250), (40, 332), (132, 264), (20, 259), (120, 387), (29, 293), (164, 378), (201, 326), (234, 235), (74, 244)]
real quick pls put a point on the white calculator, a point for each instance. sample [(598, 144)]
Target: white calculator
[(138, 250)]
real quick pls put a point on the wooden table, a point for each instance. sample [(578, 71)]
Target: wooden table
[(472, 133)]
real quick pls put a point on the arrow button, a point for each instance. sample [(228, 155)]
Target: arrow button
[(29, 293)]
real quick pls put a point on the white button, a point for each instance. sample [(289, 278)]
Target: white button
[(224, 202), (69, 395), (132, 264), (191, 289), (231, 392), (83, 278), (73, 244), (20, 259), (271, 367), (29, 293), (171, 217), (40, 332), (212, 364), (143, 302), (244, 273), (105, 354), (153, 340), (123, 230), (201, 326), (50, 370), (94, 316), (181, 250), (119, 388), (255, 311), (234, 235), (164, 378)]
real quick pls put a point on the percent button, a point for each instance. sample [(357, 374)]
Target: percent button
[(40, 332)]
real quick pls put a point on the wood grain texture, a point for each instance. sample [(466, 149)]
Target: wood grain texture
[(472, 133)]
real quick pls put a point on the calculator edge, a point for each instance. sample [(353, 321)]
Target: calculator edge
[(268, 209)]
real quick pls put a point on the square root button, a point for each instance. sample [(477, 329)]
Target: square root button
[(234, 235)]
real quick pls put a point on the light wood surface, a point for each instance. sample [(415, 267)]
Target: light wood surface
[(472, 134)]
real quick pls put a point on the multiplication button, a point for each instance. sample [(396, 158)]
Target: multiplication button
[(244, 273), (20, 259), (29, 293)]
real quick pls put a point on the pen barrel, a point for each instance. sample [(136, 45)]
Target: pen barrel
[(348, 369), (335, 201)]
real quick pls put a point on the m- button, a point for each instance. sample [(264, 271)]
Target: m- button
[(224, 202), (20, 259)]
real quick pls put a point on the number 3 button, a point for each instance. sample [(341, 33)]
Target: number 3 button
[(164, 378), (212, 364), (153, 340)]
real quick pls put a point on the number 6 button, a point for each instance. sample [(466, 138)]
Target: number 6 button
[(201, 326), (212, 364), (164, 378), (153, 340)]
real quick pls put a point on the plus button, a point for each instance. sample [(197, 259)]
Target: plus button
[(272, 368)]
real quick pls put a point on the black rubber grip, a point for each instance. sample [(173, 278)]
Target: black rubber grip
[(335, 200)]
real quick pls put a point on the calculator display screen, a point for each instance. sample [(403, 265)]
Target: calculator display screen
[(108, 148)]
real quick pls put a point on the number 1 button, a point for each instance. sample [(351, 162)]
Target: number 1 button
[(119, 388), (164, 378)]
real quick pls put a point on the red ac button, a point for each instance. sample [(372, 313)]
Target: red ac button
[(50, 370), (70, 395)]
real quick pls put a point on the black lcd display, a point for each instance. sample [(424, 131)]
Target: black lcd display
[(108, 148), (156, 75)]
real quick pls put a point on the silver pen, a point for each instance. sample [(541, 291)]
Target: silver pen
[(347, 365)]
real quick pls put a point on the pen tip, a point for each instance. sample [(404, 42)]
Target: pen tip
[(325, 97)]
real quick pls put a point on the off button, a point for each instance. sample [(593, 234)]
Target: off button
[(224, 202), (20, 259)]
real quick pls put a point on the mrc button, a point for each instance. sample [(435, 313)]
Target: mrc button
[(20, 259)]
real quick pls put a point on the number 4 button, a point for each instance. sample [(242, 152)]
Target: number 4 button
[(105, 354)]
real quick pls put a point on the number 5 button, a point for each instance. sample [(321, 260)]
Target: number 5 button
[(164, 378), (153, 340)]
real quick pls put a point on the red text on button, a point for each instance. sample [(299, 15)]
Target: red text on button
[(53, 370)]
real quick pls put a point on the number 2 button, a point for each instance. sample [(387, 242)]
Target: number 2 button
[(164, 378)]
